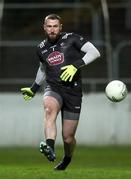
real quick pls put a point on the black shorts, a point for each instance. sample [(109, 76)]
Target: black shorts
[(69, 99)]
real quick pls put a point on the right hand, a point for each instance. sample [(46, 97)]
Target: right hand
[(68, 73), (27, 93)]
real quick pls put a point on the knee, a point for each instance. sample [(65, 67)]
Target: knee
[(50, 107), (48, 110), (69, 138)]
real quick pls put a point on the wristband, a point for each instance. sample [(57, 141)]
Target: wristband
[(79, 63), (34, 88)]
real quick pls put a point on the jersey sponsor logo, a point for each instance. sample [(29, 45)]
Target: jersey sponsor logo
[(55, 58)]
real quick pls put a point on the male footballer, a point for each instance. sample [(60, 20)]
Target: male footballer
[(61, 56)]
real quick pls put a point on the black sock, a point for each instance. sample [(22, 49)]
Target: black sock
[(51, 143), (67, 159)]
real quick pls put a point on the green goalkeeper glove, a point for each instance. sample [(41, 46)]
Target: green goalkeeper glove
[(27, 93), (68, 73)]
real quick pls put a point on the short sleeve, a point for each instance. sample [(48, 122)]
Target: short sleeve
[(79, 41)]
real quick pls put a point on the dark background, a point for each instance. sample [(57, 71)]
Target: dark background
[(21, 30)]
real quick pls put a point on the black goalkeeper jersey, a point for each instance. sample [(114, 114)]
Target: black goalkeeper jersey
[(64, 51)]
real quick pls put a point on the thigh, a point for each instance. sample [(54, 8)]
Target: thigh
[(69, 127), (52, 99), (51, 104)]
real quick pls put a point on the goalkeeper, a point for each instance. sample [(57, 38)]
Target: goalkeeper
[(61, 56)]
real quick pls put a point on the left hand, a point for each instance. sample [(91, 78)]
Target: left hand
[(68, 73), (27, 93)]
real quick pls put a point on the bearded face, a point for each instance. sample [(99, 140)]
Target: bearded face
[(52, 28)]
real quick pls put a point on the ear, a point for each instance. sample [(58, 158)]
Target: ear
[(60, 26), (43, 26)]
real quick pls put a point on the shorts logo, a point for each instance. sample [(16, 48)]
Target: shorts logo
[(77, 107), (55, 58)]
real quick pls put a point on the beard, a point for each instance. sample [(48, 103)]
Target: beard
[(52, 37)]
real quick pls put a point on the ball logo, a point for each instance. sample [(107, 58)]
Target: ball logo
[(55, 58)]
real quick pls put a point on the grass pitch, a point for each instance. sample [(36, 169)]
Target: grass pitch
[(88, 163)]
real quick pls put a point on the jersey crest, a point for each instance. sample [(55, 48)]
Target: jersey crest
[(42, 44), (55, 58)]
